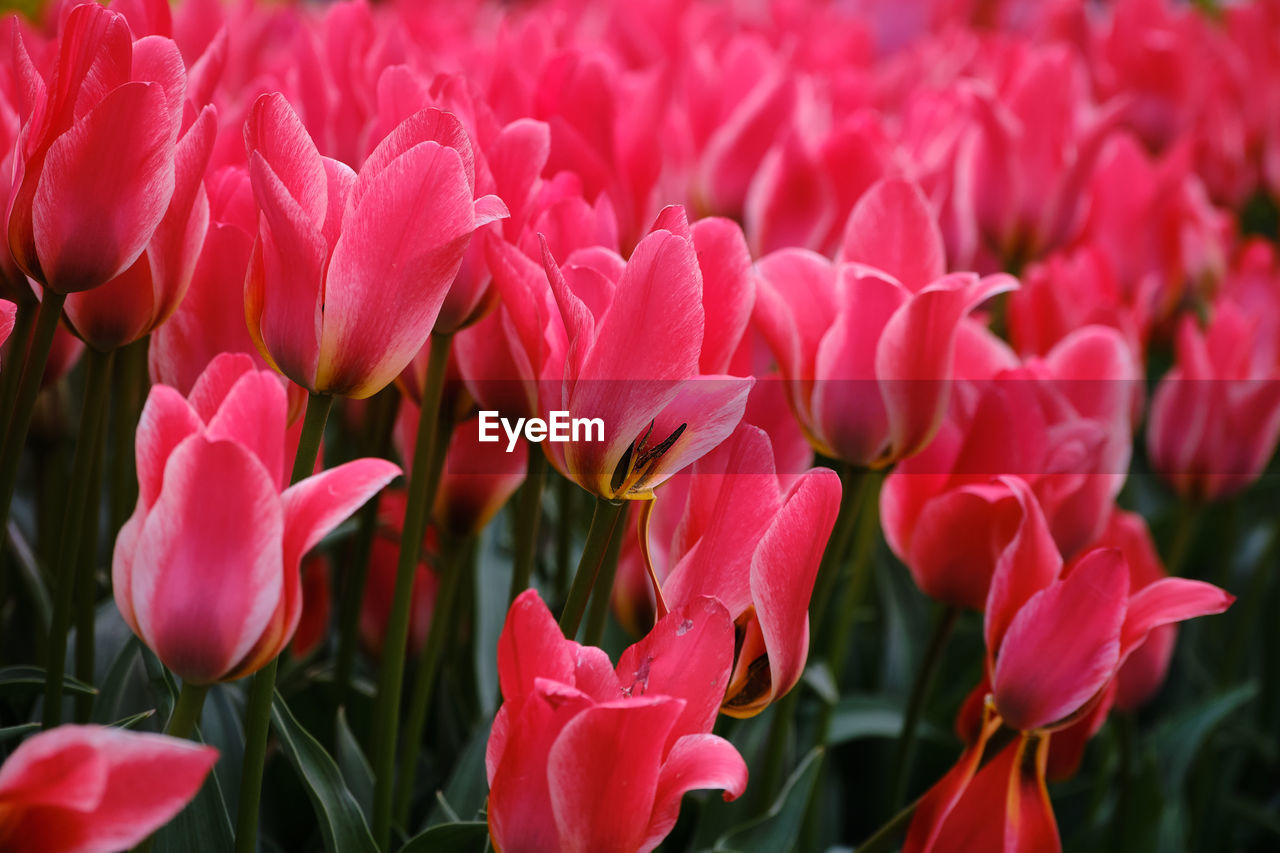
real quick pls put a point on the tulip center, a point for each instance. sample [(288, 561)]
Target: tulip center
[(636, 464)]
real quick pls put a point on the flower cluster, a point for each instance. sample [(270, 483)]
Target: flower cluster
[(874, 303)]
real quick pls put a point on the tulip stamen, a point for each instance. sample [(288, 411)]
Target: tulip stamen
[(631, 468)]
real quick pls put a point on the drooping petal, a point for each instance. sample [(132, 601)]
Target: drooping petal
[(1064, 643), (316, 505), (1165, 602), (696, 762)]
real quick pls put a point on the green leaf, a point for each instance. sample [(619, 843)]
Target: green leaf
[(9, 733), (1178, 740), (132, 720), (464, 837), (114, 685), (779, 827), (25, 680), (355, 768), (163, 688), (204, 826), (468, 785), (863, 716), (342, 824)]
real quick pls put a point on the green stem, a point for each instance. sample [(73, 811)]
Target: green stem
[(452, 567), (1184, 535), (79, 502), (1120, 819), (598, 609), (837, 552), (422, 489), (604, 520), (528, 512), (24, 406), (11, 369), (921, 687), (258, 705), (382, 424), (130, 388), (565, 494), (186, 712), (86, 589)]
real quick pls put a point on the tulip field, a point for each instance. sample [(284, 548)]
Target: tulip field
[(451, 426)]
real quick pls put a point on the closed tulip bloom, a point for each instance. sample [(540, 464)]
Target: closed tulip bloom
[(1215, 417), (94, 789), (215, 607), (867, 346), (73, 224), (584, 756), (349, 271)]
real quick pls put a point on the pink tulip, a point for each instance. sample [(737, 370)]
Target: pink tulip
[(1056, 641), (586, 757), (215, 607), (73, 224), (210, 319), (8, 312), (665, 410), (753, 540), (93, 789), (317, 605), (1215, 417), (866, 346), (1061, 424), (349, 272)]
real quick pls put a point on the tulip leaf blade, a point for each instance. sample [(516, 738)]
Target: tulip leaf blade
[(342, 823), (779, 827), (22, 680), (353, 765), (8, 733), (461, 837), (1178, 740)]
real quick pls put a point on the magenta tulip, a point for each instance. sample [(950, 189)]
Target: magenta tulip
[(93, 789), (215, 607)]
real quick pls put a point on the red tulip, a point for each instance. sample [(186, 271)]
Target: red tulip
[(586, 757), (1061, 424), (1215, 417), (660, 412), (317, 604), (1055, 643), (8, 313), (215, 607), (73, 224), (867, 346), (348, 272), (753, 541), (210, 319), (93, 789)]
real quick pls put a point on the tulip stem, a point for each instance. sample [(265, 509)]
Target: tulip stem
[(854, 485), (258, 705), (1184, 535), (921, 687), (19, 338), (79, 503), (130, 388), (186, 711), (565, 494), (598, 609), (15, 436), (604, 520), (86, 587), (451, 568), (422, 491), (528, 512), (382, 422)]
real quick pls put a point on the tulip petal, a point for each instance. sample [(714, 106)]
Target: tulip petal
[(202, 598), (1165, 602), (687, 656), (148, 780), (696, 762), (1064, 644), (91, 223), (941, 801), (532, 646), (1029, 563), (783, 571), (167, 419), (401, 246), (316, 505), (274, 132), (728, 290), (216, 381), (893, 229), (253, 415), (596, 808)]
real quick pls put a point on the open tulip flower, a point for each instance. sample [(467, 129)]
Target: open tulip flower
[(93, 789), (349, 271), (584, 756), (1055, 640), (215, 607), (867, 346)]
